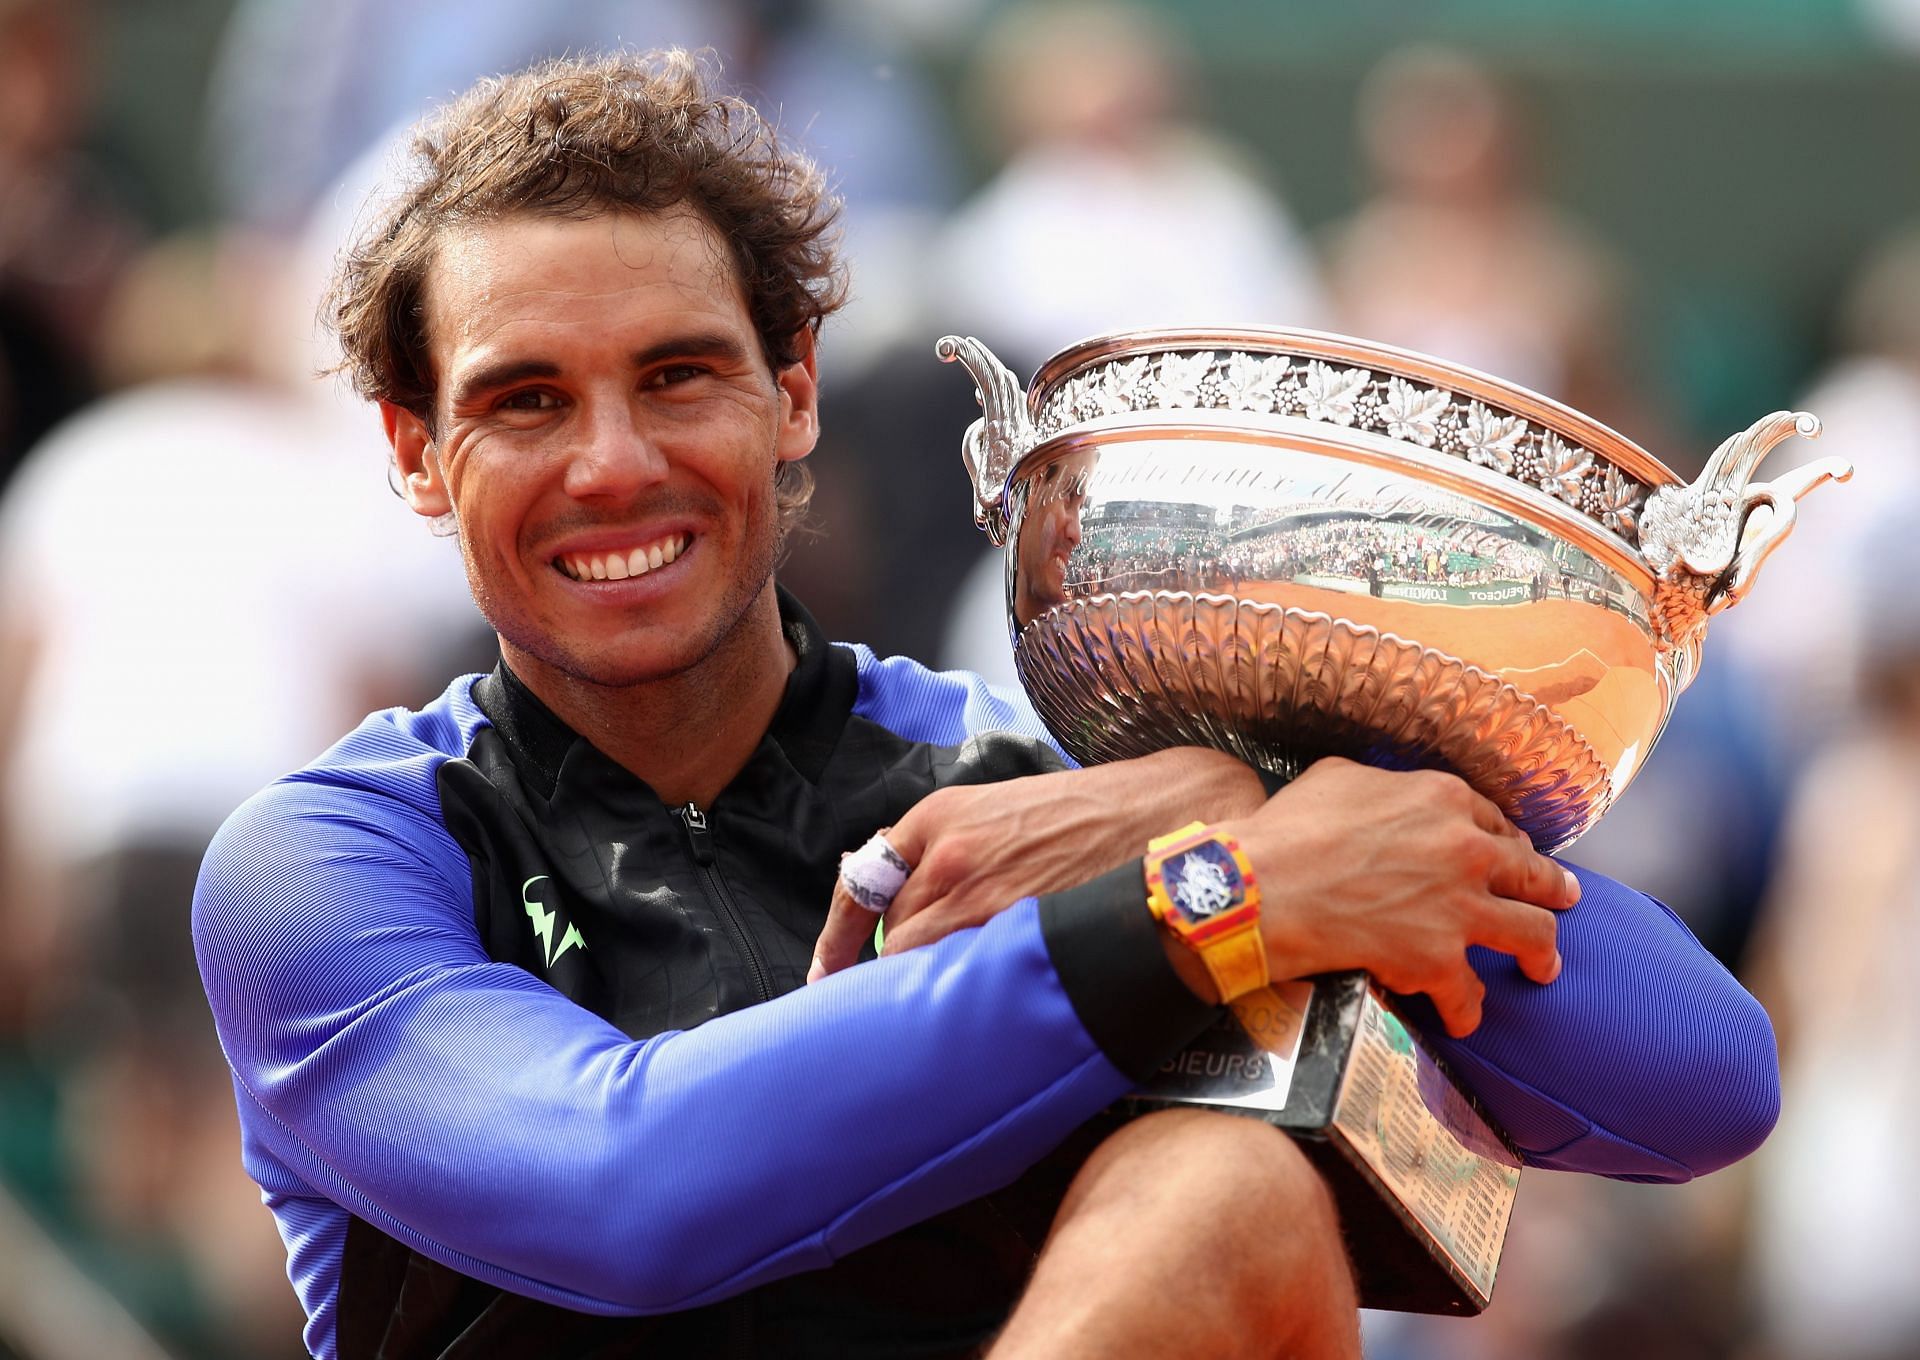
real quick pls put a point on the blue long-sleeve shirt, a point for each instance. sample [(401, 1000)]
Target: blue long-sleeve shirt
[(601, 1086)]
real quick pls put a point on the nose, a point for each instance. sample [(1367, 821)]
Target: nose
[(615, 457), (1070, 526)]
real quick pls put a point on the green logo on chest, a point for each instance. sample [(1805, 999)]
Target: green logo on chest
[(542, 917)]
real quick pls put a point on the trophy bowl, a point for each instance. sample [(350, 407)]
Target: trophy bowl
[(1290, 544)]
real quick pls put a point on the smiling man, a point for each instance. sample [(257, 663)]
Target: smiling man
[(609, 363), (514, 988)]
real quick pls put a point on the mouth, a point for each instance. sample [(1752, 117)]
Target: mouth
[(623, 563)]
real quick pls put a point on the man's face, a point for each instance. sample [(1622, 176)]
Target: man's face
[(608, 432), (1048, 536)]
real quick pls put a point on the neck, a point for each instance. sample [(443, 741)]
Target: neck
[(686, 735)]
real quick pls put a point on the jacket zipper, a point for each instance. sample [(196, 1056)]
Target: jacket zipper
[(700, 841)]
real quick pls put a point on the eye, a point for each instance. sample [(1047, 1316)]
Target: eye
[(530, 399), (675, 374)]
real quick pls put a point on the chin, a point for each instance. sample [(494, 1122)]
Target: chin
[(619, 669)]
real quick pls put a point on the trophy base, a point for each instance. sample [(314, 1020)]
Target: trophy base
[(1424, 1183)]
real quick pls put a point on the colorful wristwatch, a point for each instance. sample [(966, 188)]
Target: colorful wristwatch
[(1201, 887)]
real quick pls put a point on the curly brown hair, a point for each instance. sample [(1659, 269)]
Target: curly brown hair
[(579, 136)]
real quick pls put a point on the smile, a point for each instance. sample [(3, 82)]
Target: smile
[(618, 566)]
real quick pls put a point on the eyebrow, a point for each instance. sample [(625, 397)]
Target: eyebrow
[(490, 376), (700, 344)]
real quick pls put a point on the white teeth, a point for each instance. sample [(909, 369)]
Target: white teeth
[(618, 567)]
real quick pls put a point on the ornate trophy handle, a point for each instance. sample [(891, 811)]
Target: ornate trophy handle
[(995, 442), (1705, 542)]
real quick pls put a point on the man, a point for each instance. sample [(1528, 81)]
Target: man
[(1052, 533), (513, 987)]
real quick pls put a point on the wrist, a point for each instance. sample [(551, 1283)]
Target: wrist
[(1187, 967), (1207, 782), (1285, 931)]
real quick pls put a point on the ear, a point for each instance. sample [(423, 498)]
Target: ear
[(799, 384), (421, 481)]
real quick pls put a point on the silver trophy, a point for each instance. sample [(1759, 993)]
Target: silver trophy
[(1288, 545)]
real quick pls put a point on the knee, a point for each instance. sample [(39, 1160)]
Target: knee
[(1231, 1205), (1243, 1185)]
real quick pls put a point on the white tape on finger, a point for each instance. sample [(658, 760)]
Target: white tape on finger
[(874, 873)]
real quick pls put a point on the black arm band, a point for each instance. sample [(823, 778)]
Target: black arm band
[(1112, 960)]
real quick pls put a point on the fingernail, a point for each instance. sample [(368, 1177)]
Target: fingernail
[(1573, 884), (1558, 962), (818, 971)]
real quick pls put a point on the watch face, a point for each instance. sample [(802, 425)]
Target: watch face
[(1203, 882)]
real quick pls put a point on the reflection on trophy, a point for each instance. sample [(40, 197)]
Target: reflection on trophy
[(1055, 500), (1291, 545)]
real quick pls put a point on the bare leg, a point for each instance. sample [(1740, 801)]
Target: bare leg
[(1191, 1233)]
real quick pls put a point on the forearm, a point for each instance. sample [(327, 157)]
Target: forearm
[(471, 1112), (1100, 817)]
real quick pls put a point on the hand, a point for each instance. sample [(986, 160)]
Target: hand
[(977, 848), (1397, 873)]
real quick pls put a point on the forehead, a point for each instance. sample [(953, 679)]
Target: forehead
[(529, 277)]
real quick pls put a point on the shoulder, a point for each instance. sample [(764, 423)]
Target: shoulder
[(390, 761), (347, 858), (367, 807), (943, 708)]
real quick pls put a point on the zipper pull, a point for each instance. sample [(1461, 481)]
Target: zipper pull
[(698, 838)]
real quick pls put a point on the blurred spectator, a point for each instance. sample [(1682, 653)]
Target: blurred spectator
[(1456, 256), (63, 238), (299, 91), (1806, 624), (1836, 1232), (1114, 209)]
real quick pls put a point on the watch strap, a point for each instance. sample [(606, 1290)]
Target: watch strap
[(1237, 960)]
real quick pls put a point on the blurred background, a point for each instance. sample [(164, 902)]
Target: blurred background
[(1675, 217)]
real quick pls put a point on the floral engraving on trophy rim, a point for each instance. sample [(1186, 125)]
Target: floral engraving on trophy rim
[(1353, 397)]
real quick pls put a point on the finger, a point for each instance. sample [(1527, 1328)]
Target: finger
[(942, 865), (1459, 1000), (1529, 934), (1490, 819), (848, 927), (1523, 873), (917, 894), (903, 933), (934, 921), (908, 837)]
